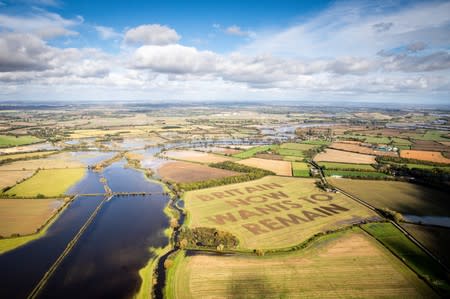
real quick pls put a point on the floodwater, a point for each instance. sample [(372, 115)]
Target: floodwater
[(431, 220), (22, 268), (88, 185)]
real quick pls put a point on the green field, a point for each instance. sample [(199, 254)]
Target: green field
[(297, 146), (355, 174), (289, 152), (317, 142), (48, 182), (434, 136), (402, 197), (412, 255), (272, 212), (253, 151), (347, 264), (401, 141), (367, 138), (300, 169), (7, 140), (346, 166)]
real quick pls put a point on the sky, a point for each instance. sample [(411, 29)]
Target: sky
[(334, 51)]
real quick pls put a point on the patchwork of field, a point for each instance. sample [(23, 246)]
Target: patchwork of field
[(402, 197), (272, 212), (331, 155), (344, 265), (25, 155), (357, 148), (7, 140), (25, 216), (195, 156), (277, 166), (424, 155), (186, 172), (48, 182), (62, 160), (300, 169), (252, 151), (9, 178)]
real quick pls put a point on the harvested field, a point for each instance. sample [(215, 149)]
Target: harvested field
[(278, 167), (25, 216), (272, 212), (195, 156), (331, 155), (62, 160), (344, 265), (357, 148), (52, 182), (424, 155), (434, 238), (10, 178), (186, 172), (346, 166), (402, 197)]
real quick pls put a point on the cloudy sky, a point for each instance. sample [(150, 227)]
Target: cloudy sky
[(380, 51)]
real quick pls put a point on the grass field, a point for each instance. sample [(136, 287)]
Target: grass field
[(253, 151), (367, 138), (346, 166), (185, 172), (424, 155), (277, 166), (10, 178), (402, 197), (25, 155), (331, 155), (355, 174), (52, 182), (7, 140), (195, 156), (290, 152), (412, 255), (343, 265), (272, 212), (300, 169), (25, 216)]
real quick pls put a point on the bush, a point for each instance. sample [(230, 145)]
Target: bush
[(206, 237)]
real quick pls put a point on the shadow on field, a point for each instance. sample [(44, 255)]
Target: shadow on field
[(245, 285)]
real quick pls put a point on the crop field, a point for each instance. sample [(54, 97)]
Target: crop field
[(10, 178), (62, 160), (424, 155), (25, 216), (331, 155), (290, 152), (300, 169), (402, 197), (195, 156), (7, 140), (272, 212), (316, 142), (356, 148), (435, 238), (343, 265), (412, 255), (25, 155), (277, 166), (48, 182), (427, 145), (355, 174), (346, 166), (253, 151), (186, 172), (297, 146), (367, 138)]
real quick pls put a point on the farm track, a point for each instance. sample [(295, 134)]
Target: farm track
[(401, 229)]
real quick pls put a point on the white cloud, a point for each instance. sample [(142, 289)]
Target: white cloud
[(236, 30), (151, 35), (107, 32)]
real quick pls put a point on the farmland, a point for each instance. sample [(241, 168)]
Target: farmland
[(402, 197), (424, 155), (370, 271), (185, 172), (12, 157), (7, 140), (252, 151), (51, 183), (278, 167), (331, 155), (9, 178), (356, 148), (267, 213), (61, 160), (195, 156), (346, 166), (300, 169), (355, 174), (25, 216)]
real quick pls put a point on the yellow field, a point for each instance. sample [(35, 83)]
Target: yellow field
[(10, 178), (277, 166), (62, 160), (195, 156), (331, 155), (346, 265), (272, 212), (25, 216), (53, 182)]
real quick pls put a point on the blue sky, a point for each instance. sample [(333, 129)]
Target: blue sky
[(225, 50)]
